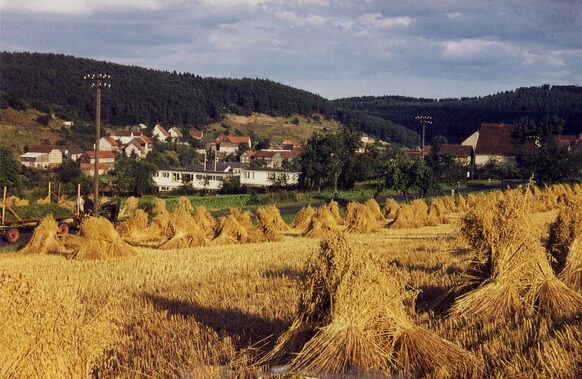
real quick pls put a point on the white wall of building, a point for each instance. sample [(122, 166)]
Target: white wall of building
[(265, 178), (167, 180)]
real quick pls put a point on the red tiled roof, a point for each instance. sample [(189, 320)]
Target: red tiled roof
[(124, 133), (292, 142), (162, 130), (228, 144), (565, 140), (290, 154), (427, 149), (196, 133), (111, 141), (146, 139), (43, 148), (102, 154), (495, 139), (234, 139), (459, 151)]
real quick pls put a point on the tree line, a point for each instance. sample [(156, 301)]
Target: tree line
[(53, 83), (456, 119)]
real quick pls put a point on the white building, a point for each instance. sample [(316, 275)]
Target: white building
[(167, 180), (265, 177)]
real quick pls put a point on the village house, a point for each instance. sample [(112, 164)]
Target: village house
[(461, 153), (160, 132), (291, 144), (230, 143), (211, 177), (195, 133), (266, 177), (493, 141), (42, 156), (109, 144), (175, 134), (275, 158), (124, 136), (72, 152), (106, 162)]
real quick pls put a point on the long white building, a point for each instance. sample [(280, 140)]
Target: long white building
[(265, 177)]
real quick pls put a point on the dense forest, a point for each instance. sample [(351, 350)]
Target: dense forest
[(458, 118), (54, 83)]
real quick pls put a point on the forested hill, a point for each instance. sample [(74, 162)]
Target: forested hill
[(138, 95), (458, 118)]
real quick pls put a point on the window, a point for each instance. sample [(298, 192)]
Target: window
[(165, 174)]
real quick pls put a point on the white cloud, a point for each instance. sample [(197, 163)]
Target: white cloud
[(79, 6), (376, 20)]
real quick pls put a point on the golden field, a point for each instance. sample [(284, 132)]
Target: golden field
[(214, 311)]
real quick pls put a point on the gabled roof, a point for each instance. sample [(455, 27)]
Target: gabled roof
[(72, 149), (43, 148), (196, 133), (234, 139), (146, 139), (102, 154), (124, 133), (292, 142), (495, 139), (111, 141), (459, 151), (161, 129), (177, 131)]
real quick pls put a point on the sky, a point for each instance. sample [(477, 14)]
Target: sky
[(335, 48)]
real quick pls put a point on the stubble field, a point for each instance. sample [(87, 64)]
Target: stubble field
[(214, 311)]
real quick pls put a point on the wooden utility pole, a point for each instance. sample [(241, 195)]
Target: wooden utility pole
[(97, 82), (424, 121)]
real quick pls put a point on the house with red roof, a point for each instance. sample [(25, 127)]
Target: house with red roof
[(160, 132), (195, 133), (109, 144), (124, 136), (494, 142), (106, 162), (229, 144), (42, 156)]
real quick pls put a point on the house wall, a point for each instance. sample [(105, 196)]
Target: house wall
[(481, 159), (263, 178), (55, 157), (471, 140), (129, 149), (40, 161), (167, 180)]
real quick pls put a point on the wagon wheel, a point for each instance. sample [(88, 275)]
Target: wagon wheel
[(63, 228), (12, 235)]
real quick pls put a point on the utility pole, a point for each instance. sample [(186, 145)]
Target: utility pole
[(98, 82), (424, 121)]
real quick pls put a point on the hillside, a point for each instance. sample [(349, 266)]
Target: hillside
[(273, 128), (458, 118), (20, 128), (54, 83)]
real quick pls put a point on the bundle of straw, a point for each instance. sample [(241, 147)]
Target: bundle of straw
[(230, 231), (335, 212), (321, 223), (565, 241), (45, 239), (351, 315), (159, 206), (135, 225), (101, 241), (510, 269), (277, 220), (186, 231), (390, 208), (374, 208), (363, 220), (184, 204), (303, 217), (268, 229), (204, 220), (131, 205)]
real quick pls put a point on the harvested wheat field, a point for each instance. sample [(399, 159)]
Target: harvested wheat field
[(478, 296)]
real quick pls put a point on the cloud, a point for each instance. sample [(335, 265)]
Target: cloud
[(78, 6), (376, 20)]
